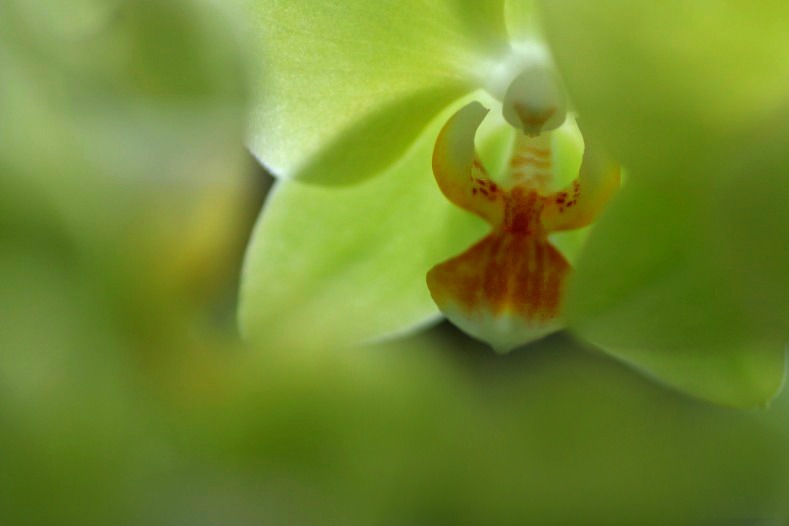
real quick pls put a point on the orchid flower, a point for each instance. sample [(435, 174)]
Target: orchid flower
[(677, 277)]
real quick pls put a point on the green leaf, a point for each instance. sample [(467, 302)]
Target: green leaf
[(344, 265), (662, 81), (344, 87)]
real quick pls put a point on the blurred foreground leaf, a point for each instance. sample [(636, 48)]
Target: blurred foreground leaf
[(411, 433), (121, 173)]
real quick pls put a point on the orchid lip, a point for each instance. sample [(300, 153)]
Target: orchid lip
[(508, 288)]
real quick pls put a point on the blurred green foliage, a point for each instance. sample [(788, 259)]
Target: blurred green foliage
[(124, 192)]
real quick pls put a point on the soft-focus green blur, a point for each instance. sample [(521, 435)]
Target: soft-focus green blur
[(126, 197)]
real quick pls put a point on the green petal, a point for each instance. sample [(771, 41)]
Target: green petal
[(689, 266), (345, 87), (654, 289), (683, 74), (748, 224), (733, 375), (344, 265), (520, 18)]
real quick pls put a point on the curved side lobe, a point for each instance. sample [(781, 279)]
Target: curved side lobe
[(458, 169), (579, 204)]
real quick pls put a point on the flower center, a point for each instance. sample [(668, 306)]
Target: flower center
[(507, 289), (532, 96)]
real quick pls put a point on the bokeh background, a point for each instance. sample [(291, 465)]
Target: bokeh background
[(127, 397)]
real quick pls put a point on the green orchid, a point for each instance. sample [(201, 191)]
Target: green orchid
[(683, 275), (126, 399)]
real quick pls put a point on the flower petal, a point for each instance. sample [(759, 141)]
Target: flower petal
[(520, 18), (684, 74), (748, 224), (345, 87), (693, 256), (733, 375), (344, 265), (653, 289)]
